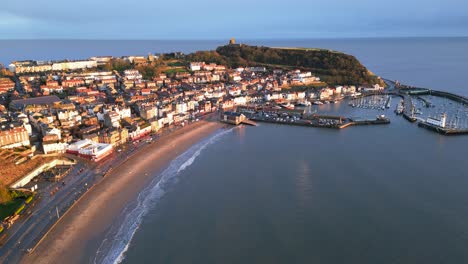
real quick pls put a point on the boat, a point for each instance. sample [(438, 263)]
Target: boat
[(303, 104), (400, 108), (318, 103), (287, 105)]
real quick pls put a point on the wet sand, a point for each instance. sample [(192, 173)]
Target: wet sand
[(77, 236)]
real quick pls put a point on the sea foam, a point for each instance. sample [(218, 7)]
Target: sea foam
[(113, 248)]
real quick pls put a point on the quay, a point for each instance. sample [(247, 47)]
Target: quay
[(294, 118), (236, 118), (424, 91), (442, 130), (378, 121), (436, 125), (408, 111), (426, 102), (322, 123)]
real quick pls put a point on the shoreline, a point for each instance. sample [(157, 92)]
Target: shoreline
[(78, 234)]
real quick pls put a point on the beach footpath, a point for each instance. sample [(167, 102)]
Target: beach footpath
[(76, 237)]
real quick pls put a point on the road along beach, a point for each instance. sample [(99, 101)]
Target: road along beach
[(78, 235)]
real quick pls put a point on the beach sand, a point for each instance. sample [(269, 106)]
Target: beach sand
[(77, 236)]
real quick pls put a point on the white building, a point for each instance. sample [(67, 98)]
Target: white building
[(196, 66), (55, 147), (132, 75), (181, 107), (440, 122), (73, 65), (241, 100), (90, 150), (123, 112), (273, 96)]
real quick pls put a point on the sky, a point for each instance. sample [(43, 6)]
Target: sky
[(218, 19)]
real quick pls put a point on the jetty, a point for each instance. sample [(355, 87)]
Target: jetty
[(319, 121), (443, 130), (236, 118)]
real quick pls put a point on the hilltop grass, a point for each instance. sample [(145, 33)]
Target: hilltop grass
[(175, 70)]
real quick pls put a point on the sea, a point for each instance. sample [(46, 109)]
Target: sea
[(393, 193)]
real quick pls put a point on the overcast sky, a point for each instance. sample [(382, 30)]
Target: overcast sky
[(219, 19)]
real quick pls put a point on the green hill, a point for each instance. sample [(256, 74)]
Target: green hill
[(331, 66)]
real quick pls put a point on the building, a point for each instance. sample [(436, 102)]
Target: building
[(38, 66), (6, 85), (35, 103), (90, 150), (13, 135), (54, 147), (148, 112), (132, 75), (196, 66), (232, 118), (101, 60), (140, 132), (112, 119), (73, 65), (440, 122), (29, 67), (114, 137)]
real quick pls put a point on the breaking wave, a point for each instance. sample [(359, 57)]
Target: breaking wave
[(118, 239)]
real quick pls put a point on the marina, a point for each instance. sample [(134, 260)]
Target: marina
[(295, 118), (423, 108), (376, 102)]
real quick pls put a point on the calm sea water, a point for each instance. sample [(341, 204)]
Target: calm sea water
[(280, 194)]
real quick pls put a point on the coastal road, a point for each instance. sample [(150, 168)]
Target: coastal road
[(34, 224)]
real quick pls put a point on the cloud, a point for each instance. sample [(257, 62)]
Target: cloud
[(13, 20), (209, 19)]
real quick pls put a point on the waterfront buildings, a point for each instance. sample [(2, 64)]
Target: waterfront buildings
[(439, 122), (62, 106), (90, 150), (39, 66), (13, 135)]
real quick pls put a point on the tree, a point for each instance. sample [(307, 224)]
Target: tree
[(120, 65), (148, 71), (5, 195)]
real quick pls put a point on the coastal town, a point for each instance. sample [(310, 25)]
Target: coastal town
[(72, 107), (64, 117), (70, 117)]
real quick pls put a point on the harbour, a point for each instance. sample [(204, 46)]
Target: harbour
[(380, 208), (295, 118), (415, 107)]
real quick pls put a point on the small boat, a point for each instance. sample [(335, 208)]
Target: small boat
[(287, 105), (301, 105)]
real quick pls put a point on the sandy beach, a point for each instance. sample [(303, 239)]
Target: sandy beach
[(79, 233)]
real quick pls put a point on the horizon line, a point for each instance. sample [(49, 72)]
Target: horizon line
[(224, 39)]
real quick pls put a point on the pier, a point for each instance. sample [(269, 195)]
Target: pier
[(320, 121), (408, 112), (235, 118), (443, 131), (424, 91), (248, 122), (406, 91), (426, 102)]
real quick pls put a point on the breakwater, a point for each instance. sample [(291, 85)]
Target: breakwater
[(333, 122), (443, 131)]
